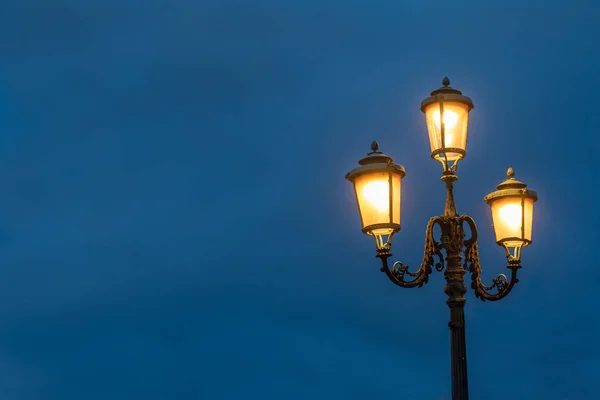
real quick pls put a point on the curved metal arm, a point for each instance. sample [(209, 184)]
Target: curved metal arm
[(501, 283), (399, 270)]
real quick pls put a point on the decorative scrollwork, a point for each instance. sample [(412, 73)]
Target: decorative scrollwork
[(399, 270), (501, 283)]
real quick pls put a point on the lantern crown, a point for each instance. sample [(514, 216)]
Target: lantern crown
[(511, 182), (510, 187), (447, 93), (375, 160)]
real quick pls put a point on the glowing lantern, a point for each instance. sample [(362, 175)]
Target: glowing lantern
[(512, 214), (377, 189), (447, 116)]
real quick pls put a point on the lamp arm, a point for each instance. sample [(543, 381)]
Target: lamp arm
[(501, 285), (399, 270)]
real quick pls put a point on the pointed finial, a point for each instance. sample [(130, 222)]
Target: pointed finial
[(374, 146), (446, 82), (510, 173)]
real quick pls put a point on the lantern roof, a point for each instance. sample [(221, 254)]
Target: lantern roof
[(511, 187), (511, 182), (375, 156), (447, 93), (374, 161)]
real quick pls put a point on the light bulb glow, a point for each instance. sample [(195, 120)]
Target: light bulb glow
[(377, 193), (511, 215), (450, 119)]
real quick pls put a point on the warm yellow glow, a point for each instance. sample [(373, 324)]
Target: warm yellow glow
[(511, 215), (450, 119), (456, 118), (507, 214), (373, 195), (378, 194)]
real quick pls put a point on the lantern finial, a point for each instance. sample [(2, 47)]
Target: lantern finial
[(510, 173), (374, 146), (446, 82)]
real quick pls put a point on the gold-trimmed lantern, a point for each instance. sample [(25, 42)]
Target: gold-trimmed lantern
[(447, 116), (377, 187), (512, 214)]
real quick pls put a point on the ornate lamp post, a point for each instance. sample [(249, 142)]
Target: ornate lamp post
[(377, 183)]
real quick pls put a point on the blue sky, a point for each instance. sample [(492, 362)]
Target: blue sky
[(176, 223)]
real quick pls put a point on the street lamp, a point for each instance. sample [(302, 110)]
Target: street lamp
[(377, 186)]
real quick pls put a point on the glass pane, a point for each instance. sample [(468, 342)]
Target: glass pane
[(528, 218), (456, 120), (507, 216), (396, 201), (373, 194)]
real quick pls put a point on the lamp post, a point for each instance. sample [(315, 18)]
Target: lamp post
[(377, 186)]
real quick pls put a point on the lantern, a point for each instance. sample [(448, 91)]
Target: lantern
[(377, 189), (447, 116), (512, 214)]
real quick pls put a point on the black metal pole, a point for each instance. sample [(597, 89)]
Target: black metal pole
[(455, 289), (452, 241)]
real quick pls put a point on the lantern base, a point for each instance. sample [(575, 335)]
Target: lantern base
[(512, 247), (449, 157), (382, 233)]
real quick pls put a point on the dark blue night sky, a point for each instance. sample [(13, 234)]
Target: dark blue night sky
[(175, 222)]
